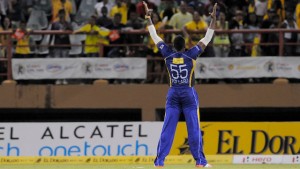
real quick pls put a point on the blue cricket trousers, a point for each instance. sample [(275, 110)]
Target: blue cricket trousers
[(181, 99)]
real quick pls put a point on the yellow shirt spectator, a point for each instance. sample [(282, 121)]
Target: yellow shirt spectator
[(57, 5), (251, 8), (197, 24), (193, 26), (23, 46), (298, 15), (92, 39), (22, 42), (122, 10)]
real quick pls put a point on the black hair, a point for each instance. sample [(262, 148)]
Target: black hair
[(179, 43), (159, 18)]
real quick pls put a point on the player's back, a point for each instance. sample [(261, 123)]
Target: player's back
[(180, 65), (181, 70)]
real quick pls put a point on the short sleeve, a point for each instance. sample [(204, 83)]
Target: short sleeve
[(194, 52), (164, 49)]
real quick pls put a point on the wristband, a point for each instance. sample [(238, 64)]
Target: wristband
[(208, 36)]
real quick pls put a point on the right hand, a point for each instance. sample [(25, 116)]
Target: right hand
[(214, 12), (147, 10)]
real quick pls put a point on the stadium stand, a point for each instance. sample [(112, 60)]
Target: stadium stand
[(273, 16)]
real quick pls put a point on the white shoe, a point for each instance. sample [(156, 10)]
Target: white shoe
[(64, 82), (208, 166), (57, 82)]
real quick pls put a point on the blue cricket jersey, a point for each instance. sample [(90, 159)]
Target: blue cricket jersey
[(180, 65)]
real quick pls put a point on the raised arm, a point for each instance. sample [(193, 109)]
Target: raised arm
[(210, 31), (151, 27)]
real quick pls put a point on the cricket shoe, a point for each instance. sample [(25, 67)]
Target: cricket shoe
[(204, 166), (158, 166)]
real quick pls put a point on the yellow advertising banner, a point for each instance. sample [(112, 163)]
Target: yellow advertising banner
[(182, 159), (227, 138)]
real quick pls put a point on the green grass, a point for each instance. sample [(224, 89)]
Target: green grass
[(224, 166)]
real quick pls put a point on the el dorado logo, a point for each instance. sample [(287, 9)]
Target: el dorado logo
[(230, 67), (185, 147), (242, 138)]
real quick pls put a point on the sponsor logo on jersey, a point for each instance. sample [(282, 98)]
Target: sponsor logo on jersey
[(178, 61)]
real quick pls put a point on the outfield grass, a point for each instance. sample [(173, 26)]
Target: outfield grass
[(225, 166)]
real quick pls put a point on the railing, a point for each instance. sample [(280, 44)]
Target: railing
[(9, 46)]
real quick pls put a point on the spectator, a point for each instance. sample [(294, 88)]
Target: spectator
[(190, 8), (251, 23), (135, 22), (131, 7), (201, 4), (3, 38), (261, 7), (237, 39), (27, 6), (22, 37), (290, 5), (103, 20), (63, 39), (93, 32), (266, 24), (221, 41), (297, 13), (116, 37), (289, 37), (278, 6), (252, 50), (197, 24), (61, 4), (274, 37), (100, 5), (15, 14), (141, 10), (239, 4), (179, 19), (169, 10), (121, 8), (232, 12), (251, 6)]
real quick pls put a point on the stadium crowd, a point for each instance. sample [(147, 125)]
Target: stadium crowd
[(105, 21)]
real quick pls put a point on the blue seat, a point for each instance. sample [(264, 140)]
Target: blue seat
[(45, 41), (76, 40), (85, 11), (37, 20), (43, 5)]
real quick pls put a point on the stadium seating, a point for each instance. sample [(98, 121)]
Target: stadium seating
[(45, 41), (44, 5), (85, 11)]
